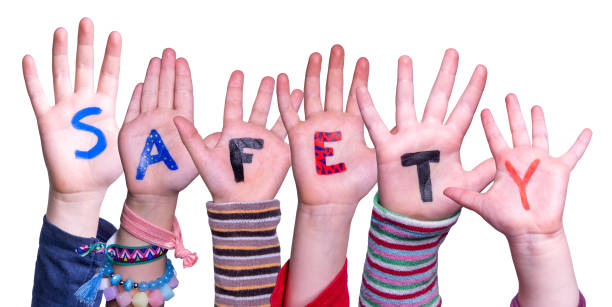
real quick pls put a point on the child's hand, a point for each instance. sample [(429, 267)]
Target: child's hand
[(417, 160), (528, 194), (245, 161), (526, 204), (79, 133), (156, 163), (330, 159)]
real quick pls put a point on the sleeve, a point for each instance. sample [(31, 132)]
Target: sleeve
[(581, 302), (401, 267), (246, 251), (336, 294), (59, 270)]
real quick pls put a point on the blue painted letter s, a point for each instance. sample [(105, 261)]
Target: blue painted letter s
[(77, 124)]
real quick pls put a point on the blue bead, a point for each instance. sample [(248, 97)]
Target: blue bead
[(128, 284), (166, 279), (115, 279), (107, 271), (143, 286), (167, 292)]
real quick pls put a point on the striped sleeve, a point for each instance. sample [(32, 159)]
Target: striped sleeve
[(246, 251), (402, 261)]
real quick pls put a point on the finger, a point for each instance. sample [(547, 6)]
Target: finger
[(335, 81), (167, 76), (376, 127), (233, 99), (437, 104), (288, 113), (405, 113), (193, 142), (108, 82), (494, 136), (573, 155), (212, 140), (312, 85), (461, 116), (134, 107), (520, 136), (85, 57), (480, 177), (150, 87), (360, 78), (61, 69), (279, 127), (466, 198), (261, 107), (538, 128), (35, 90), (183, 89)]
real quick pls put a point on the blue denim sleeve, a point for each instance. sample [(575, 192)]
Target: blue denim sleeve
[(59, 270)]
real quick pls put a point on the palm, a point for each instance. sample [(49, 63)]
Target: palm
[(69, 173), (400, 183), (166, 93), (323, 184), (261, 178), (539, 209)]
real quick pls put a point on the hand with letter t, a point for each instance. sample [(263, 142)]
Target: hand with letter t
[(79, 133), (245, 162), (526, 204), (333, 169), (418, 160)]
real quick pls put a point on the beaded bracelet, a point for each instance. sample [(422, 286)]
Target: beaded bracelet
[(124, 255), (159, 290)]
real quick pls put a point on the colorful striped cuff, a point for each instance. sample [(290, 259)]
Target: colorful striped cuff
[(246, 251), (402, 261)]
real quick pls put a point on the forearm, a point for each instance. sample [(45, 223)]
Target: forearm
[(246, 251), (401, 266), (545, 271), (75, 213), (318, 252)]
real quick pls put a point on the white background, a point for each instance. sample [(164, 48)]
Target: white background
[(556, 54)]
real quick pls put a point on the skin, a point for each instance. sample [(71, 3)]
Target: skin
[(536, 237), (398, 185), (167, 92), (326, 203), (77, 186), (265, 174)]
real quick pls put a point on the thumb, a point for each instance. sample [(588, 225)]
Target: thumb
[(466, 198), (193, 141)]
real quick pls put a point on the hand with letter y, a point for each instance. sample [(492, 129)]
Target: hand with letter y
[(526, 204), (416, 161)]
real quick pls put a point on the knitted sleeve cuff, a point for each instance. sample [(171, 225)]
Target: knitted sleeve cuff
[(581, 302), (246, 251), (402, 260)]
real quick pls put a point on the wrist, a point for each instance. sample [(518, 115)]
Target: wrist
[(534, 246), (326, 217), (157, 209), (243, 197), (76, 213)]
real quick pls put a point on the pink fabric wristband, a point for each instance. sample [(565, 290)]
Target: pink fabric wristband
[(152, 234)]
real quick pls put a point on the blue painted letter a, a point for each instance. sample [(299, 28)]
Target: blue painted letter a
[(162, 155)]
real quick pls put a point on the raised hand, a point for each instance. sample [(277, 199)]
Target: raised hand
[(417, 160), (526, 204), (331, 162), (79, 133), (528, 194), (156, 163), (245, 161)]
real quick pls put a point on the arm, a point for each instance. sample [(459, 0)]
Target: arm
[(79, 140), (333, 170), (526, 204), (416, 161), (157, 165), (243, 167)]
